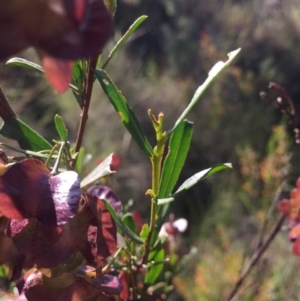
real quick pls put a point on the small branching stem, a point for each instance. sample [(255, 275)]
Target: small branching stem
[(86, 104), (256, 256), (156, 163)]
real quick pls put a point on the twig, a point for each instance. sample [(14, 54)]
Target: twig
[(270, 211), (86, 104), (256, 256)]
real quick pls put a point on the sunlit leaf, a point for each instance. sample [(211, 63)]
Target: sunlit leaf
[(178, 148), (193, 180), (102, 170), (216, 70), (127, 115), (125, 37)]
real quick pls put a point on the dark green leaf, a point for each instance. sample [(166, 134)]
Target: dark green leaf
[(129, 222), (14, 128), (127, 116), (193, 180), (61, 128), (179, 145), (122, 228), (156, 268), (130, 31)]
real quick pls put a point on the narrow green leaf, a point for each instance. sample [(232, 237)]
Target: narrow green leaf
[(77, 75), (193, 180), (186, 260), (217, 69), (179, 145), (127, 116), (14, 128), (156, 268), (122, 228), (79, 160), (16, 61), (61, 128), (129, 222), (125, 37), (102, 170)]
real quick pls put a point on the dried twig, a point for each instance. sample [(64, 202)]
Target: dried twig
[(256, 256)]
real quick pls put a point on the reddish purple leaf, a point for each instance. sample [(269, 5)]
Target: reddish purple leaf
[(107, 283), (40, 287), (82, 290), (106, 193), (65, 29), (28, 189), (59, 30), (48, 246), (106, 229)]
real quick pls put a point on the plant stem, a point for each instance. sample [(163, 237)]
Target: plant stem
[(156, 162), (86, 104), (256, 256)]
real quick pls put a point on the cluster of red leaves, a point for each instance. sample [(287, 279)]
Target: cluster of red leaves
[(61, 31), (66, 234), (291, 208)]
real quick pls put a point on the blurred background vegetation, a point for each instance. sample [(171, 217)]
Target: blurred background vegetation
[(160, 68)]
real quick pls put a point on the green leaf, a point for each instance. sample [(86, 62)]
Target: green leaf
[(127, 116), (125, 37), (129, 222), (156, 269), (61, 128), (14, 128), (145, 231), (186, 260), (217, 69), (16, 61), (122, 228), (193, 180), (77, 75), (79, 160), (102, 170), (179, 145)]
